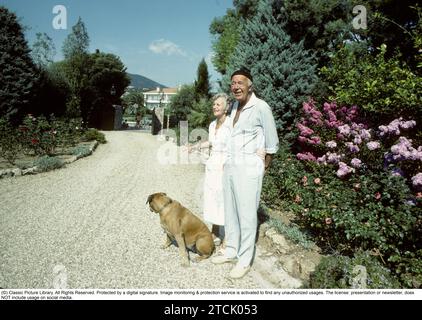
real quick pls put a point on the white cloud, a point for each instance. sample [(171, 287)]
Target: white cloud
[(166, 47)]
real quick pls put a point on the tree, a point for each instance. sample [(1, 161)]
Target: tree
[(284, 73), (201, 114), (77, 42), (105, 71), (321, 25), (383, 88), (393, 23), (51, 92), (43, 50), (18, 73), (225, 31), (182, 102), (202, 84), (133, 97), (324, 26)]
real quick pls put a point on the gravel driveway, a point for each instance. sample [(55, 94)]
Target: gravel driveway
[(88, 223)]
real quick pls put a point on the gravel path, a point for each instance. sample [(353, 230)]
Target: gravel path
[(88, 222)]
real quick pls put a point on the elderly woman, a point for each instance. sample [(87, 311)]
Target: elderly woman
[(218, 132)]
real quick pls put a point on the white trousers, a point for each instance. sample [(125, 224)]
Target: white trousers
[(242, 184)]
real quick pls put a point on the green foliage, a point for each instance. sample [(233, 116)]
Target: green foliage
[(292, 232), (393, 23), (372, 211), (382, 87), (321, 25), (10, 145), (77, 42), (226, 32), (201, 114), (105, 71), (38, 136), (42, 136), (182, 102), (130, 99), (43, 50), (281, 182), (284, 73), (202, 83), (341, 272), (47, 163), (81, 151), (94, 134), (409, 267), (18, 74), (90, 78), (51, 93)]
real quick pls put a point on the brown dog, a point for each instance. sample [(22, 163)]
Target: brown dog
[(183, 226)]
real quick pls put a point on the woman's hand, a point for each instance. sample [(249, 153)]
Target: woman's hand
[(261, 153)]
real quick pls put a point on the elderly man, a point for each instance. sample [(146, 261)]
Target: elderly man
[(253, 132)]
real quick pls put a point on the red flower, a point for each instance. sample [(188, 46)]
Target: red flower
[(377, 195), (317, 180), (328, 221), (35, 141), (298, 199), (305, 181)]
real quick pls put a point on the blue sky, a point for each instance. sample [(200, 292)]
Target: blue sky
[(163, 40)]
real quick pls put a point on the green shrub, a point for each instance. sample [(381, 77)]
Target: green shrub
[(409, 268), (340, 272), (82, 151), (281, 182), (38, 136), (9, 142), (94, 134), (47, 163), (369, 211), (69, 131), (292, 232), (384, 88)]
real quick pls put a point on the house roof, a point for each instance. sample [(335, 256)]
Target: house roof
[(164, 90)]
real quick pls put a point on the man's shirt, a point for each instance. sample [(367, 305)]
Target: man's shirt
[(255, 129)]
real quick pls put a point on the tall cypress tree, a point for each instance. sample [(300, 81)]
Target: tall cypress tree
[(284, 73), (202, 84), (18, 73)]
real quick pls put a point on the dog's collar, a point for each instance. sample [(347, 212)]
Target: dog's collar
[(163, 207)]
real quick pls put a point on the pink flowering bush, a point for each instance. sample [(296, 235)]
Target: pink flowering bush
[(336, 136)]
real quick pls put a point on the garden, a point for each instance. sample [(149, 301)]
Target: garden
[(348, 108), (44, 144), (49, 109)]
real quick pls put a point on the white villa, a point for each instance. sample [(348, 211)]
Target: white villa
[(159, 97)]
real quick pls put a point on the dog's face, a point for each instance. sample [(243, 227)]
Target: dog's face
[(156, 200)]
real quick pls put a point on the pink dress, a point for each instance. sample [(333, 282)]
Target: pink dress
[(213, 183)]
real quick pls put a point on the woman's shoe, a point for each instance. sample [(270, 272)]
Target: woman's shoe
[(217, 241)]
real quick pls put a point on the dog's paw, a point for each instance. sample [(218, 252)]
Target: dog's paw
[(165, 245), (185, 263)]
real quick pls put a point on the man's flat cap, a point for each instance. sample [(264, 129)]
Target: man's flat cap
[(244, 72)]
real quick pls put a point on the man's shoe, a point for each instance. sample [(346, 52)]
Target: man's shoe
[(239, 272), (222, 259)]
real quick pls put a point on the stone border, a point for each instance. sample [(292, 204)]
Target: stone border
[(16, 172)]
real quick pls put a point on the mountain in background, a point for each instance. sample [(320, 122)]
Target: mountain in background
[(142, 82)]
